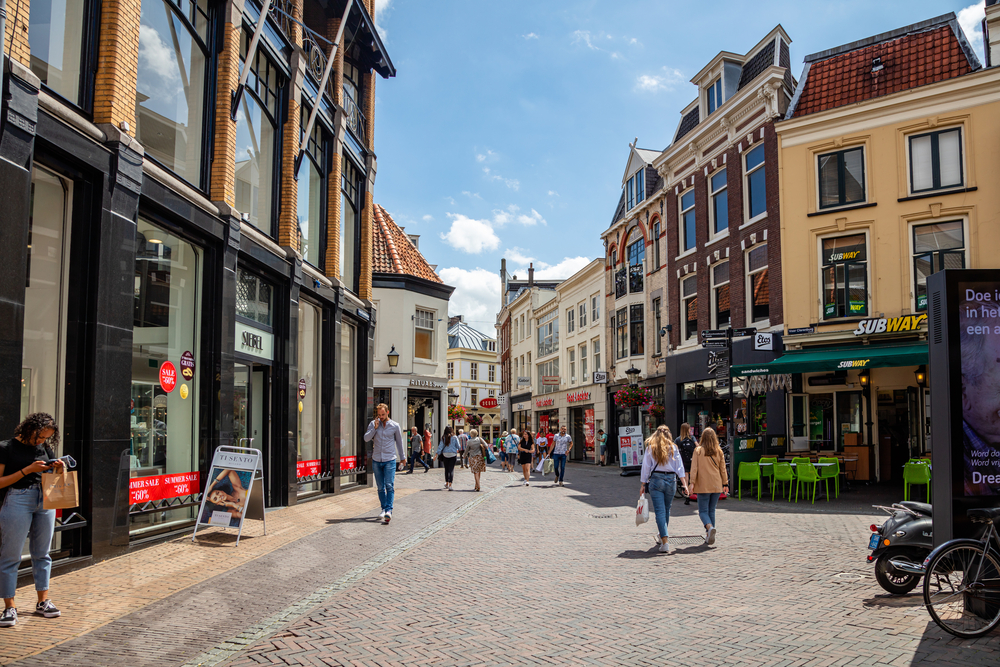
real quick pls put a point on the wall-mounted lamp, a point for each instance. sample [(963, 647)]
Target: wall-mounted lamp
[(633, 375), (921, 375), (865, 377), (393, 358)]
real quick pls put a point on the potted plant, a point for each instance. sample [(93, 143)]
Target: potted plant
[(456, 412)]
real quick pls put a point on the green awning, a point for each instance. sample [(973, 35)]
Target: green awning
[(837, 359)]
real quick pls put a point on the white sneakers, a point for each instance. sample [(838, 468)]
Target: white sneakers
[(664, 548), (382, 514), (710, 536), (388, 517)]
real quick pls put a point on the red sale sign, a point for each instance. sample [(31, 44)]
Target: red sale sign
[(348, 462), (143, 489), (588, 428), (168, 376), (160, 487), (182, 484), (307, 468)]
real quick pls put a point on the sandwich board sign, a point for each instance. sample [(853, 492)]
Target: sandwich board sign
[(233, 491)]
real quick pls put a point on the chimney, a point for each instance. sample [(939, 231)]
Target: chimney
[(531, 275), (991, 33)]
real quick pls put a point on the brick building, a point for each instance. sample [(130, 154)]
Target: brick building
[(159, 216)]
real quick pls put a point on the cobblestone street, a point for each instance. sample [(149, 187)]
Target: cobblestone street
[(513, 575)]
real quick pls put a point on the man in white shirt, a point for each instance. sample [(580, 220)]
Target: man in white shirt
[(387, 450), (561, 445)]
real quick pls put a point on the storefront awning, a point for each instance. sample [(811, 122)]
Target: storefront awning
[(837, 359)]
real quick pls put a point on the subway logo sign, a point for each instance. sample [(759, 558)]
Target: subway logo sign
[(889, 325), (854, 363)]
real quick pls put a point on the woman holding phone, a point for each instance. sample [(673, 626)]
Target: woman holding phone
[(23, 459)]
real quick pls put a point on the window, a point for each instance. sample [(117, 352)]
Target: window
[(354, 91), (595, 345), (637, 330), (656, 245), (657, 320), (451, 370), (936, 160), (524, 331), (720, 295), (312, 192), (309, 430), (715, 95), (635, 189), (845, 276), (720, 203), (595, 308), (583, 363), (636, 258), (473, 371), (687, 232), (689, 307), (492, 393), (423, 341), (757, 282), (621, 335), (572, 366), (56, 36), (350, 219), (583, 315), (548, 333), (936, 247), (548, 376), (570, 319), (491, 346), (515, 330), (254, 297), (493, 373), (756, 188), (474, 396), (841, 178), (172, 84), (629, 194)]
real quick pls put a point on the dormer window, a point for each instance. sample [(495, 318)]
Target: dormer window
[(635, 189), (715, 95)]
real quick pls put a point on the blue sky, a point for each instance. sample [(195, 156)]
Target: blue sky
[(506, 130)]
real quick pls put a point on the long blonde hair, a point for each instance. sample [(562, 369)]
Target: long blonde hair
[(685, 430), (710, 443), (660, 445)]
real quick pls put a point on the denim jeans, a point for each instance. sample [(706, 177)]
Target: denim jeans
[(706, 507), (449, 468), (414, 457), (661, 489), (22, 517), (385, 477), (559, 466)]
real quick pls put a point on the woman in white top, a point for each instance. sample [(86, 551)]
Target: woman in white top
[(662, 467)]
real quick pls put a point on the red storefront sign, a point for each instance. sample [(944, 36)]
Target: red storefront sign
[(348, 462), (544, 402), (307, 468), (588, 429), (578, 396), (488, 403), (543, 423), (162, 487), (168, 376)]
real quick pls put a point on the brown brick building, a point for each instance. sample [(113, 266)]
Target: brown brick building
[(166, 214)]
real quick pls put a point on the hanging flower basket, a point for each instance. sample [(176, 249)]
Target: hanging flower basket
[(474, 420), (456, 412), (632, 397), (657, 411)]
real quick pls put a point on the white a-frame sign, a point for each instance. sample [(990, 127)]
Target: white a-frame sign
[(234, 490)]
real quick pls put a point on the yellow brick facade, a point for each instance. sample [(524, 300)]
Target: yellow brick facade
[(16, 37), (117, 63)]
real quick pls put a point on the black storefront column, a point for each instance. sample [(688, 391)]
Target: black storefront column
[(20, 117), (289, 387), (223, 341), (333, 391), (366, 354)]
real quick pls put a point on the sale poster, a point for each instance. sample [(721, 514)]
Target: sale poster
[(162, 487), (629, 446), (588, 429), (307, 468)]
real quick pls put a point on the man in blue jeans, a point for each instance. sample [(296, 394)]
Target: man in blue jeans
[(561, 445), (387, 448)]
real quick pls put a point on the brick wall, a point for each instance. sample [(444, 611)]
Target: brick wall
[(16, 37), (365, 268), (288, 232), (222, 187), (117, 63)]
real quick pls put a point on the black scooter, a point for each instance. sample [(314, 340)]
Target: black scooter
[(900, 545)]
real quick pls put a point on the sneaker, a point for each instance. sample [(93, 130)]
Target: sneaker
[(382, 515), (388, 518), (47, 609), (8, 618), (710, 538), (664, 548)]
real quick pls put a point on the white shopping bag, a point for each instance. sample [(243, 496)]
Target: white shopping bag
[(540, 466), (642, 511)]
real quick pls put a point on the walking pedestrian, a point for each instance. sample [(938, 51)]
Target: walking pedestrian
[(448, 452), (561, 445), (416, 450), (602, 442), (526, 452), (686, 444), (427, 446), (541, 446), (22, 460), (475, 449), (387, 451), (511, 441), (662, 468), (462, 440), (709, 479)]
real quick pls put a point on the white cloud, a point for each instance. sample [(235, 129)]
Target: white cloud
[(971, 19), (470, 235), (158, 57), (511, 183), (553, 193), (563, 269), (517, 256), (476, 296), (488, 155), (381, 12), (652, 83), (531, 219), (530, 35), (584, 37), (513, 214), (427, 218), (451, 200), (471, 195)]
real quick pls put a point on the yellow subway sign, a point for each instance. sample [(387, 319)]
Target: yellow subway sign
[(880, 325)]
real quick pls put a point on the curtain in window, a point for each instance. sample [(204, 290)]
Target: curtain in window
[(922, 165)]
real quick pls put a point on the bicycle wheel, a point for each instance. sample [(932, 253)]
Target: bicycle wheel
[(962, 590)]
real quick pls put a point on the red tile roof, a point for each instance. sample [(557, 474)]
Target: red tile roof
[(393, 252), (908, 61)]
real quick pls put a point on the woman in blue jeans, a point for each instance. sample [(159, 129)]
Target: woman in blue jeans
[(22, 460), (709, 479), (662, 469)]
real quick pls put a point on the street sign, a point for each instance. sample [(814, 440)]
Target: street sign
[(721, 383), (714, 333), (801, 330), (600, 377), (763, 341), (749, 331), (715, 343)]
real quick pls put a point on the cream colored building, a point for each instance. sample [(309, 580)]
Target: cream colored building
[(474, 375)]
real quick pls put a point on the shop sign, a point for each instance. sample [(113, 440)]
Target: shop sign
[(544, 402), (521, 381), (187, 366), (254, 342), (363, 314), (522, 407), (307, 468), (550, 379), (302, 388), (600, 377), (578, 396), (162, 487), (231, 494), (488, 403), (878, 325), (168, 377), (763, 341), (853, 363), (629, 446), (427, 383), (745, 444)]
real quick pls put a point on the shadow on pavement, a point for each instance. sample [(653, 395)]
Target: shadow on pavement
[(356, 519), (914, 600), (632, 554)]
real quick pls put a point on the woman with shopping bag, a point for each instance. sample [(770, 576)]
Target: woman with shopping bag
[(475, 448), (662, 469), (23, 459), (525, 450)]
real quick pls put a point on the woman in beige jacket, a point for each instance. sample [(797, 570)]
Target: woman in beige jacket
[(708, 479)]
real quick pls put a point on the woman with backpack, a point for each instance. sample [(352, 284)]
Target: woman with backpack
[(448, 450), (662, 468), (709, 479), (686, 444)]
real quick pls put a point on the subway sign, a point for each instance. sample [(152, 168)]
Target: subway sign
[(853, 363), (880, 325)]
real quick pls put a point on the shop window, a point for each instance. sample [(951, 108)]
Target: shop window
[(845, 276), (583, 314), (310, 369), (621, 334), (350, 219), (656, 245), (595, 308), (257, 138), (312, 192), (758, 297), (841, 178), (570, 320), (637, 330), (473, 371), (350, 444), (689, 308), (936, 247), (451, 370), (688, 221), (595, 345), (166, 328), (254, 298), (548, 376), (720, 296), (172, 85), (58, 35), (657, 322), (756, 187), (584, 376), (572, 366), (636, 249), (423, 337), (936, 160), (548, 333), (719, 209)]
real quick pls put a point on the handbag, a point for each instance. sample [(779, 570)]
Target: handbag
[(642, 511), (490, 458), (60, 490), (540, 465)]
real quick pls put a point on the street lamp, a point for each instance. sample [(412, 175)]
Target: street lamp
[(393, 358), (921, 375), (633, 375)]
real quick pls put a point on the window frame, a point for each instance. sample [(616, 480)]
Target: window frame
[(713, 94), (451, 370), (682, 238), (823, 266), (938, 254), (582, 314), (713, 231), (90, 47), (621, 333), (491, 373), (685, 304), (841, 172), (715, 287), (432, 329), (748, 173), (474, 371), (572, 364), (583, 363), (656, 245), (936, 159), (595, 308), (749, 317), (636, 330), (658, 321), (570, 320), (595, 346), (548, 333)]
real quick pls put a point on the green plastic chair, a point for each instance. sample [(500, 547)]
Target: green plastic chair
[(750, 472), (767, 472), (805, 473), (796, 461), (916, 473), (783, 472), (826, 473)]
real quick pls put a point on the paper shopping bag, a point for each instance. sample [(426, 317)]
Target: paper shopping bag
[(60, 490)]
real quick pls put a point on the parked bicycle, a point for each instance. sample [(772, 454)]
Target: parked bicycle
[(962, 580)]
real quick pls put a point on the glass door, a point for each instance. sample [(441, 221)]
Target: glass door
[(848, 416), (799, 431), (241, 404)]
